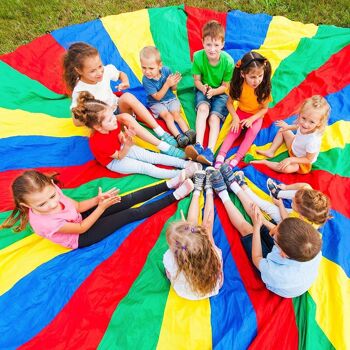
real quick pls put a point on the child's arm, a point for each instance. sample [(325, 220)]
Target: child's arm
[(103, 203), (199, 85), (249, 121), (124, 81), (281, 207), (256, 241), (171, 81), (235, 118), (284, 126), (126, 139), (217, 91)]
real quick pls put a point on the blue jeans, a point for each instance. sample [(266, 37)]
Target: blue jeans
[(217, 104)]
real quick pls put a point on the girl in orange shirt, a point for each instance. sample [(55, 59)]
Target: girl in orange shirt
[(251, 87)]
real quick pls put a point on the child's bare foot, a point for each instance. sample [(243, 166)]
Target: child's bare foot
[(267, 153)]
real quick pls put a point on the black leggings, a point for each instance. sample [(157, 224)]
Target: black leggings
[(121, 213)]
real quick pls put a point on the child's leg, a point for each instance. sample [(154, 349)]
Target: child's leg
[(277, 141), (226, 145), (193, 210), (132, 165), (268, 207), (214, 129), (208, 216), (129, 102), (276, 166), (201, 121), (106, 225), (248, 139), (236, 218), (170, 122), (180, 121)]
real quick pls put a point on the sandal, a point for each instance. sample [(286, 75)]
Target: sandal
[(273, 188), (233, 163)]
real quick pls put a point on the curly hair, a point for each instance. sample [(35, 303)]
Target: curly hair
[(248, 62), (29, 182), (88, 109), (320, 105), (195, 255), (313, 205), (73, 59)]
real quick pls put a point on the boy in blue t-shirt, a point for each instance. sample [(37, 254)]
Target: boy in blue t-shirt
[(212, 71), (159, 83)]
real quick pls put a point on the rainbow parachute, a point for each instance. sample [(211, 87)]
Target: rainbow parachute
[(114, 295)]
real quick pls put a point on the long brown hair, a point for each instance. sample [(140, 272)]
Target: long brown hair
[(248, 62), (29, 182), (195, 256), (88, 109), (313, 205), (73, 59), (298, 239)]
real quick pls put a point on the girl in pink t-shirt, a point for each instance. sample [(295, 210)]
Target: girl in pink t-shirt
[(75, 224)]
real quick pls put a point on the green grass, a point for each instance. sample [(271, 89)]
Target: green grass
[(21, 21)]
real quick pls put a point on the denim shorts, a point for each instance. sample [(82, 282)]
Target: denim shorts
[(172, 105), (217, 104), (267, 242)]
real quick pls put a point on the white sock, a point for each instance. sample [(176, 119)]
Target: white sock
[(209, 191), (163, 146), (196, 193), (159, 130), (235, 187), (177, 180), (224, 196)]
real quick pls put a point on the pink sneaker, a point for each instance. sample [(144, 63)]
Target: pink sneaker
[(191, 167), (184, 190)]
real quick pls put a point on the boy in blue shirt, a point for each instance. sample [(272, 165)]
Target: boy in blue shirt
[(212, 71), (159, 83), (287, 255)]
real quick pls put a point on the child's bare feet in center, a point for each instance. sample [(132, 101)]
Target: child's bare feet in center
[(267, 153)]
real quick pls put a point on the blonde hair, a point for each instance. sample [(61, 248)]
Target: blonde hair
[(298, 239), (30, 181), (88, 109), (73, 59), (214, 30), (195, 256), (313, 205), (149, 52), (320, 105)]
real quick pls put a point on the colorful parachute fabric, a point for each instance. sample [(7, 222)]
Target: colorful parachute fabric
[(114, 295)]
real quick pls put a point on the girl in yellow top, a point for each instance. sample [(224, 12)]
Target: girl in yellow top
[(251, 87)]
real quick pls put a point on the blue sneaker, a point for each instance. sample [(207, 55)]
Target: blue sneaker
[(206, 157), (175, 152), (208, 171), (193, 151), (227, 174), (217, 182), (166, 137)]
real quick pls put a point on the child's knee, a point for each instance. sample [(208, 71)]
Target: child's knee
[(203, 108), (214, 120)]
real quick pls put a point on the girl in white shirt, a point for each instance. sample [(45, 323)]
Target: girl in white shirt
[(193, 263), (304, 146)]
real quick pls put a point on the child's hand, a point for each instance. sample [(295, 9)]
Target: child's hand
[(277, 202), (235, 125), (123, 85), (247, 123), (256, 215), (284, 163), (282, 125), (129, 133), (205, 89), (108, 198), (173, 79), (210, 92)]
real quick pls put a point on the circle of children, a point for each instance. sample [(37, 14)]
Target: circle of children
[(286, 250)]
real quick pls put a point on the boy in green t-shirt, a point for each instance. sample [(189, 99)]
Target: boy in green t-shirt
[(212, 71)]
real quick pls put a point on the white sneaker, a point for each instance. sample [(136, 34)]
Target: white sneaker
[(184, 190)]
